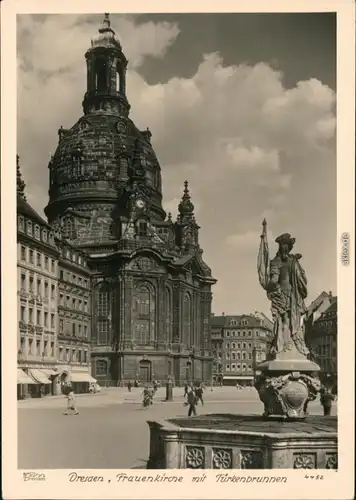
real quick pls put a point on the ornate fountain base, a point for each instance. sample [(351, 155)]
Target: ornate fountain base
[(226, 441), (287, 386)]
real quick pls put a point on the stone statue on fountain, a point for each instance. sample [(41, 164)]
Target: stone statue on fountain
[(286, 383)]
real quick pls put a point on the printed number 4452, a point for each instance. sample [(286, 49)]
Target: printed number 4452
[(317, 476)]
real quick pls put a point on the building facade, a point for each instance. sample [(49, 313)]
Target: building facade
[(322, 341), (74, 317), (44, 262), (150, 286), (240, 343), (37, 275)]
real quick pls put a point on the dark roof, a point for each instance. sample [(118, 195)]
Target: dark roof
[(25, 209), (253, 321), (331, 309), (316, 303)]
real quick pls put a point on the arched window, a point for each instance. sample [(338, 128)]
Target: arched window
[(141, 228), (187, 320), (101, 367), (151, 178), (100, 75), (168, 315), (68, 230), (103, 315), (144, 314), (118, 79)]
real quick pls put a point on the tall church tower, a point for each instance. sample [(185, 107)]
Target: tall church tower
[(151, 289)]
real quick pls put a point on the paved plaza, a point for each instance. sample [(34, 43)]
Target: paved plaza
[(111, 430)]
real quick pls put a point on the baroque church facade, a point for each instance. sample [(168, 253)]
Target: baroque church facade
[(151, 289)]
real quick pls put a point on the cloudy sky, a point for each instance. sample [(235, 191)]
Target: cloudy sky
[(241, 105)]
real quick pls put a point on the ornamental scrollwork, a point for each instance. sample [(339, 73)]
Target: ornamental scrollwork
[(251, 460), (331, 462), (194, 457), (304, 461), (286, 394), (222, 459)]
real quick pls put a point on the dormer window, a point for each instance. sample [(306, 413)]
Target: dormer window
[(44, 235), (29, 227), (21, 223), (37, 232)]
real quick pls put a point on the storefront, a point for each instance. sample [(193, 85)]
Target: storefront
[(41, 385), (23, 383), (81, 381)]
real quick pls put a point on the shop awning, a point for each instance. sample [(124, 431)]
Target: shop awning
[(237, 377), (39, 376), (81, 377), (23, 378)]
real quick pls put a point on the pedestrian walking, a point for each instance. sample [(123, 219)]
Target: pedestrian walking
[(186, 387), (71, 403), (199, 394), (147, 397), (192, 402), (129, 385), (326, 399), (155, 386)]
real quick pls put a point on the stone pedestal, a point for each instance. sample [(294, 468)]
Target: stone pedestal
[(226, 441), (286, 385)]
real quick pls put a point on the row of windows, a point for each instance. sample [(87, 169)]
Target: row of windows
[(38, 317), (74, 257), (35, 230), (73, 328), (73, 303), (244, 345), (326, 350), (42, 261), (239, 355), (42, 288), (73, 355), (38, 347), (73, 278), (235, 322), (244, 333), (238, 367), (326, 325)]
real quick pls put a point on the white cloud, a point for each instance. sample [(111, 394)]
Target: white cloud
[(246, 144)]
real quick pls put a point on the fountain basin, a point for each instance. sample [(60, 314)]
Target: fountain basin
[(227, 441)]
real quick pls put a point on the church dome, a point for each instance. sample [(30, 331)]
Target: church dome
[(93, 158)]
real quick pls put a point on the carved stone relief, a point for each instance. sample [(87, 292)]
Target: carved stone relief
[(304, 461), (194, 457), (251, 460), (222, 458)]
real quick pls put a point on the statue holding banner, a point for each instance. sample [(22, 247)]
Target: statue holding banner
[(285, 282), (286, 383)]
